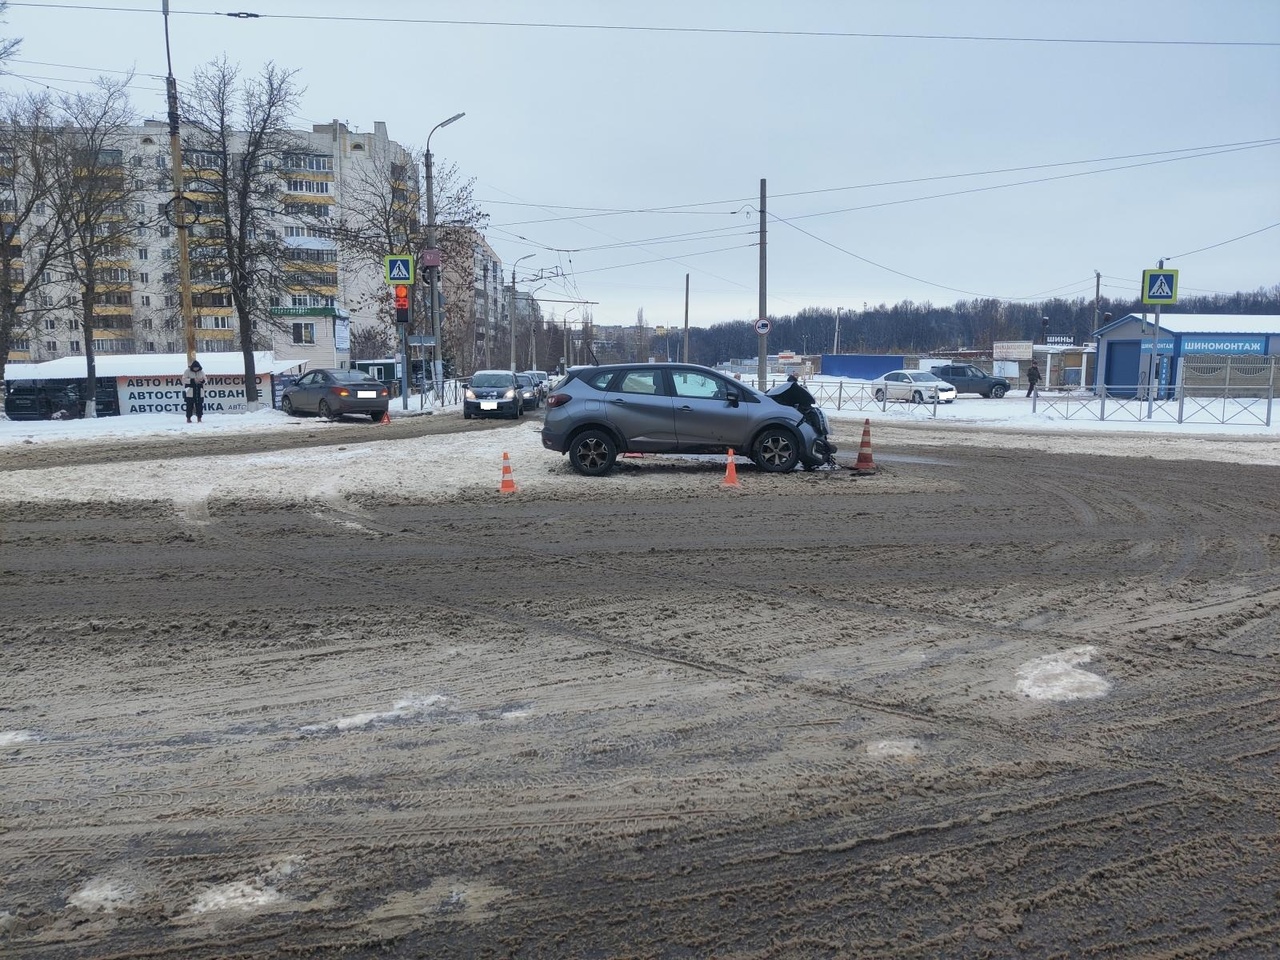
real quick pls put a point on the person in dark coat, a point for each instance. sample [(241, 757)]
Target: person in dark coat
[(193, 391), (1033, 378)]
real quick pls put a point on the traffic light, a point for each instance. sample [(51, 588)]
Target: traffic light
[(402, 303)]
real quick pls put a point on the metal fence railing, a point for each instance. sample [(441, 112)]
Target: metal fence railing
[(1226, 390), (1239, 390), (850, 396)]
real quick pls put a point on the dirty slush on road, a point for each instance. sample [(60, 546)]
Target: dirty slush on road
[(986, 703)]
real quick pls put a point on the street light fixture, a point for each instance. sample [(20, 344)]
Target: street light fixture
[(433, 271), (513, 308)]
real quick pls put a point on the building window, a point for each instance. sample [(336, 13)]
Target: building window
[(145, 300), (164, 231), (308, 161), (25, 344), (144, 278), (75, 346), (51, 346), (142, 253), (304, 333), (50, 323), (151, 346), (168, 300)]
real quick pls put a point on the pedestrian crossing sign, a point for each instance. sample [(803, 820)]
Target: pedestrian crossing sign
[(1159, 286), (398, 268)]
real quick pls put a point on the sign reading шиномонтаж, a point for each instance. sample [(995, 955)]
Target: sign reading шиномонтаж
[(164, 394), (1221, 345)]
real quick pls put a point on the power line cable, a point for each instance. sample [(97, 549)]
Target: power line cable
[(641, 28), (1213, 246), (1267, 141)]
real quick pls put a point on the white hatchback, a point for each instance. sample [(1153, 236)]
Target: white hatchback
[(917, 386)]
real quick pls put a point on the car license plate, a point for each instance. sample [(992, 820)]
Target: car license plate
[(366, 394), (488, 404)]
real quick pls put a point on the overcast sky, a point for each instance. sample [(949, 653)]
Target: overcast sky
[(896, 165)]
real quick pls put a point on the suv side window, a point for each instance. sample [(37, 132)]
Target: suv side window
[(697, 385), (640, 381), (599, 380)]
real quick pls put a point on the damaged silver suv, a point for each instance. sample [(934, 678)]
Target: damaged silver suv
[(595, 413)]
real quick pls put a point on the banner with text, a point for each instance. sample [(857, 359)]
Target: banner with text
[(222, 394)]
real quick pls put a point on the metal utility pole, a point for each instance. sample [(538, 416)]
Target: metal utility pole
[(433, 269), (763, 321), (836, 347), (684, 356), (179, 213), (514, 304)]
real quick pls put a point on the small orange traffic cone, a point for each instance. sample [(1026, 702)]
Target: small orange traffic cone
[(865, 464), (508, 478), (386, 416), (731, 472)]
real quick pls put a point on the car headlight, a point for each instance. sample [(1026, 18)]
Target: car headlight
[(471, 394), (509, 395)]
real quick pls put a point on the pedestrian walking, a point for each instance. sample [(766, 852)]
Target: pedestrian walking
[(1033, 377), (193, 391)]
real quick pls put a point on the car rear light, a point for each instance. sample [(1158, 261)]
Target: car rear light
[(558, 399), (384, 392), (341, 391)]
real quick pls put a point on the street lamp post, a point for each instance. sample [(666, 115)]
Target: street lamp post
[(433, 271), (514, 304)]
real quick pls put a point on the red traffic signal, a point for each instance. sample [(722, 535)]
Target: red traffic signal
[(402, 297)]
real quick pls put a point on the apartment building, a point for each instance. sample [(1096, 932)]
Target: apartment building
[(323, 290)]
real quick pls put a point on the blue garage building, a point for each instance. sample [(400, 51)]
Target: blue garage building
[(1125, 355)]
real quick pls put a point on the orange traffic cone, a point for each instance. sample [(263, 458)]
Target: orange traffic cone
[(386, 416), (731, 472), (865, 464), (508, 478)]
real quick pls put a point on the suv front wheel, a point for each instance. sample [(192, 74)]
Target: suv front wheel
[(777, 450), (592, 453), (996, 392)]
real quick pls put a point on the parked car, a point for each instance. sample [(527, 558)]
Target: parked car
[(530, 394), (493, 393), (967, 378), (918, 386), (540, 380), (334, 393), (595, 413)]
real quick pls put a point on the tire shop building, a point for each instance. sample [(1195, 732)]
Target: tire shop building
[(1236, 352)]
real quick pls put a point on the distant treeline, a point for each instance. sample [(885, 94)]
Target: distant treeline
[(923, 328)]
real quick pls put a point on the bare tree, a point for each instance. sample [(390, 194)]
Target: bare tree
[(9, 46), (378, 218), (95, 204), (383, 215), (33, 240), (237, 139)]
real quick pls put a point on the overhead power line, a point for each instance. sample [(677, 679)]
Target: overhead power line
[(645, 28), (1192, 153)]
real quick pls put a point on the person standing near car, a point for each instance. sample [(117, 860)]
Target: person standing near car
[(193, 391), (1033, 378)]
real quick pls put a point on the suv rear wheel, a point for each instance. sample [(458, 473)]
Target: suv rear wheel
[(777, 450), (592, 453)]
